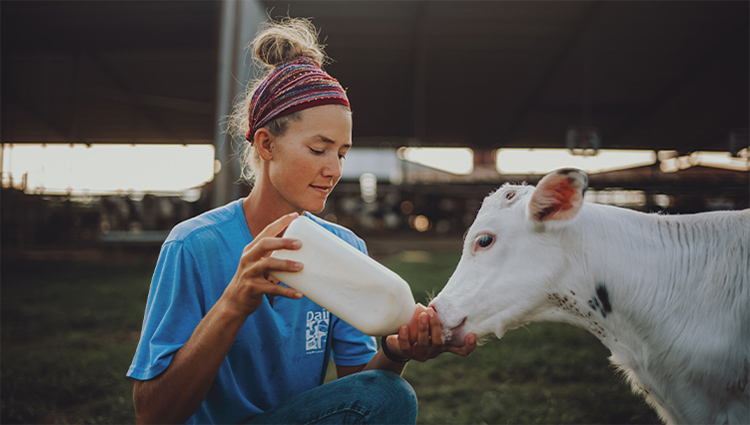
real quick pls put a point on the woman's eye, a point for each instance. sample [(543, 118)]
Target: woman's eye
[(342, 156), (485, 240), (317, 152)]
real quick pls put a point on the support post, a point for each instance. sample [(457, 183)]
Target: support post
[(240, 20)]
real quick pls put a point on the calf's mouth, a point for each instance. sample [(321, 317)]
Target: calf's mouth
[(456, 335)]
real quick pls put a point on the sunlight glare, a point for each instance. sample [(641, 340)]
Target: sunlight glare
[(671, 163), (452, 160), (543, 161), (102, 169)]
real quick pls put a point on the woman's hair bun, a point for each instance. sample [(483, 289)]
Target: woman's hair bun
[(282, 40)]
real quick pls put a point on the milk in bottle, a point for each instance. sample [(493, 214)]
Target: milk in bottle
[(346, 282)]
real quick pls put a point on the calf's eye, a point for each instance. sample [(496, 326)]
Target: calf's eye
[(484, 241)]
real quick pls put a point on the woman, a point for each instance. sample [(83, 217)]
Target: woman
[(222, 342)]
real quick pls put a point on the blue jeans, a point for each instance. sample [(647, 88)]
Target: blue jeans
[(370, 397)]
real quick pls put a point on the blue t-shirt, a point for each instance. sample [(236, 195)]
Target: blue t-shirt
[(280, 351)]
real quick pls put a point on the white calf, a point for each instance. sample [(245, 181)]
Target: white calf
[(668, 295)]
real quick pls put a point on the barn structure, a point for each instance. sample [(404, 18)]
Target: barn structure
[(670, 78)]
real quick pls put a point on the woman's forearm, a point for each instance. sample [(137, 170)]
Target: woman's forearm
[(175, 394), (380, 361)]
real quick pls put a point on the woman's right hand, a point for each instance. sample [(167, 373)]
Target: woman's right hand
[(252, 279)]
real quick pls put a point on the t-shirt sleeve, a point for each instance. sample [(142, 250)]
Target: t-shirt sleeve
[(351, 347), (173, 310)]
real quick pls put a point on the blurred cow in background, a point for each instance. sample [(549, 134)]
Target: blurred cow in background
[(668, 295)]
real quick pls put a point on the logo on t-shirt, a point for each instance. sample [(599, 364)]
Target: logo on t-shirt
[(317, 331)]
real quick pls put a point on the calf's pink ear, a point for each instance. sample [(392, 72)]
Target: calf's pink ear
[(558, 196)]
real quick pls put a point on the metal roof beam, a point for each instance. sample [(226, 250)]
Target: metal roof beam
[(689, 72), (533, 99)]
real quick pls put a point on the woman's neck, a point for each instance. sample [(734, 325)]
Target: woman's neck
[(261, 209)]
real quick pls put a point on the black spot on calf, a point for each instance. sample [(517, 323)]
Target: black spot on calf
[(603, 295), (600, 301)]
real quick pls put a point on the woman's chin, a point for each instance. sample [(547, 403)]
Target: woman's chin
[(314, 207)]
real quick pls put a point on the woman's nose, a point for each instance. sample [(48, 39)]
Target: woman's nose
[(333, 167)]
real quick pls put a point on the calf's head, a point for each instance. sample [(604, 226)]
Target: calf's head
[(513, 254)]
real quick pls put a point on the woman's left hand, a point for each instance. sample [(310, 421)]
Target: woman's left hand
[(422, 338)]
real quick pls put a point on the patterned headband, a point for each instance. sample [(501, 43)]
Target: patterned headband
[(291, 87)]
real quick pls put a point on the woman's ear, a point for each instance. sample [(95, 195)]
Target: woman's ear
[(263, 141)]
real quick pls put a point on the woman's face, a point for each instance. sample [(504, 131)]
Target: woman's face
[(308, 158)]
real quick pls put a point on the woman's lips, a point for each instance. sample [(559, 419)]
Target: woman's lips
[(322, 189)]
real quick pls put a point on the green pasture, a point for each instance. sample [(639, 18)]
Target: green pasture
[(69, 331)]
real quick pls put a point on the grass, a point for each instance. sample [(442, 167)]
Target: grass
[(69, 332)]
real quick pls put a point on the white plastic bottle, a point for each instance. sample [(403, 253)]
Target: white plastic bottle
[(346, 282)]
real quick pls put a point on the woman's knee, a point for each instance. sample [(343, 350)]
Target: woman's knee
[(392, 398)]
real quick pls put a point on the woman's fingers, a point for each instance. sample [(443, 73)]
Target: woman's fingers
[(259, 282), (423, 338), (403, 341), (436, 328), (277, 227), (268, 241), (260, 248), (414, 324), (276, 289), (262, 267), (429, 342), (470, 343), (272, 230)]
